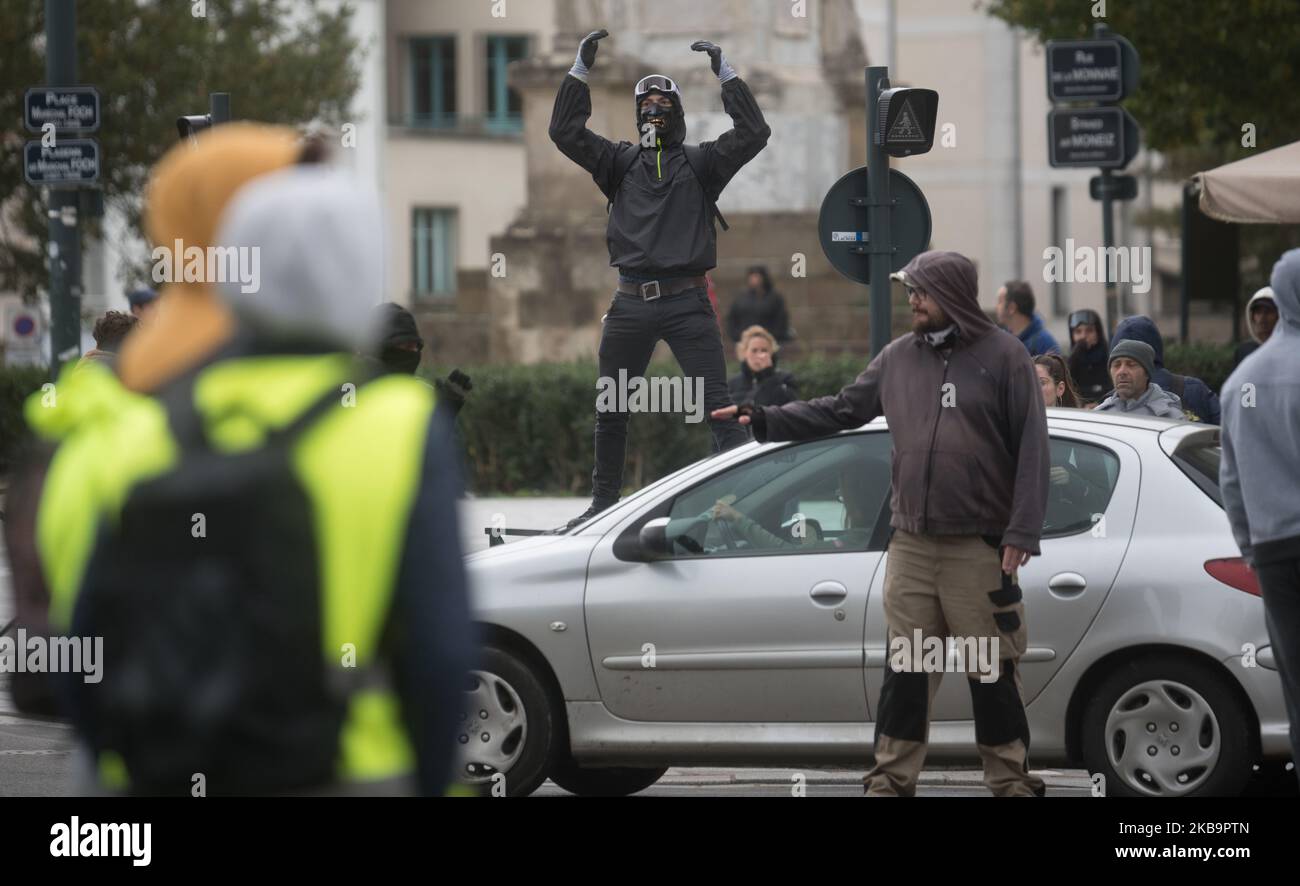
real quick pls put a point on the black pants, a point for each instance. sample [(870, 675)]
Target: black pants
[(630, 332), (1280, 584)]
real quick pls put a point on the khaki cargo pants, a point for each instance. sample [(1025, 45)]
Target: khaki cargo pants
[(951, 586)]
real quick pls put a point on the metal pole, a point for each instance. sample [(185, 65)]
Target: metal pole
[(64, 236), (1108, 240), (891, 32), (880, 235), (219, 107), (1185, 262)]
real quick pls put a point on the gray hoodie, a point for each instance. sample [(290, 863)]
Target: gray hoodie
[(1260, 471), (1155, 400)]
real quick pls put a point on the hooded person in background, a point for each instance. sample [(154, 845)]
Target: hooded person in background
[(1260, 481), (1261, 320), (662, 198), (398, 348), (1132, 364), (968, 495), (1089, 353), (1198, 402), (759, 305)]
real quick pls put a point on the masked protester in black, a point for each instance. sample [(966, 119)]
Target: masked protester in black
[(400, 348), (661, 237)]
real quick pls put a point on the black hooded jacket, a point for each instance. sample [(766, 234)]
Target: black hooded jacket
[(661, 225), (769, 387), (1088, 366), (764, 308)]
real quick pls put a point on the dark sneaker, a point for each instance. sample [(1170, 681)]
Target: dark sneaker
[(596, 508)]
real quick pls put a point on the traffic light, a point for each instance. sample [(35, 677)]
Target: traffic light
[(906, 116)]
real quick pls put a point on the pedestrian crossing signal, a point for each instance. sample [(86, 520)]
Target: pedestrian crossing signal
[(906, 118)]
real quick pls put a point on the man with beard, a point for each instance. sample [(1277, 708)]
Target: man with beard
[(968, 495), (1088, 356)]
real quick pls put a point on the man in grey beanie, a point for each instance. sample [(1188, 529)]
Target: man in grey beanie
[(1132, 363)]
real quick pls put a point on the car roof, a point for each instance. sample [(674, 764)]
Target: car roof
[(1056, 415)]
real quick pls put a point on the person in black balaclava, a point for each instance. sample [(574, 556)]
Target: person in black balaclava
[(399, 348), (662, 197), (1089, 356)]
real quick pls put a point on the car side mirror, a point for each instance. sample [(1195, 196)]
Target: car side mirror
[(654, 539)]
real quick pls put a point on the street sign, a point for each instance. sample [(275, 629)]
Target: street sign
[(907, 118), (1104, 137), (69, 108), (1102, 70), (23, 335), (842, 224), (1116, 187), (70, 161)]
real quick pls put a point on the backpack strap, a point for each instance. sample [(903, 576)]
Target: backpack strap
[(186, 422), (694, 155), (623, 161)]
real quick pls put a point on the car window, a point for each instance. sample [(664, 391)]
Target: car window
[(1081, 482), (816, 497), (1201, 464)]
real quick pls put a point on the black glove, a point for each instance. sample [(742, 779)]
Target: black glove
[(587, 48), (452, 390), (714, 51), (717, 60)]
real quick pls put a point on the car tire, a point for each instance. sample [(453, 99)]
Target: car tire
[(599, 782), (1163, 688), (512, 683)]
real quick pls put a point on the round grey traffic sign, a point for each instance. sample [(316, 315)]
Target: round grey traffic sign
[(842, 224)]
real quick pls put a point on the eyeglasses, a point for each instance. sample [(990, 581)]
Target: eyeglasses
[(1078, 318), (913, 292)]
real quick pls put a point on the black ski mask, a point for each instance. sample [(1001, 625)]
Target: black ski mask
[(674, 129)]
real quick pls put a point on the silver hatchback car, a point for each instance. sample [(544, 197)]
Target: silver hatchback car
[(655, 635)]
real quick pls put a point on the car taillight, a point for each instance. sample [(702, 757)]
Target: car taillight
[(1234, 572)]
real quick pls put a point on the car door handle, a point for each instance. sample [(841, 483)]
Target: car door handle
[(1067, 584), (828, 593)]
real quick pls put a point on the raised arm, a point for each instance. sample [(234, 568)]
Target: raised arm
[(569, 131), (749, 131)]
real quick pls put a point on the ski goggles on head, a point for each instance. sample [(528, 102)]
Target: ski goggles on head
[(1078, 318), (656, 83)]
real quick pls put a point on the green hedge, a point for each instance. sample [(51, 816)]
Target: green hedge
[(1212, 364), (528, 429)]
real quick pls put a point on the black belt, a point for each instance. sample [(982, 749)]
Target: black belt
[(652, 289)]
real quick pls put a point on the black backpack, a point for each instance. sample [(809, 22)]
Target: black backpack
[(212, 658), (694, 155)]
